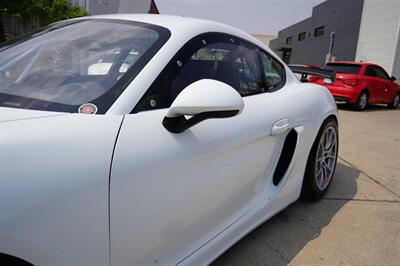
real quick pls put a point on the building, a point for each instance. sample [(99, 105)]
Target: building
[(356, 30), (310, 40), (264, 38), (98, 7), (379, 37)]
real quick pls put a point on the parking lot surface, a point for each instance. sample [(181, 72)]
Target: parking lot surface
[(357, 222)]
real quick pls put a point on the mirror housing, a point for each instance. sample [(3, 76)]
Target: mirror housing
[(393, 78), (203, 99)]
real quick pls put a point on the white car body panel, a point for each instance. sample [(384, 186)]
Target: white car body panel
[(211, 178), (12, 114), (174, 198), (274, 199), (58, 187)]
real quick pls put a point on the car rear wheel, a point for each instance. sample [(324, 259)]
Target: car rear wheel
[(396, 101), (321, 162), (362, 101)]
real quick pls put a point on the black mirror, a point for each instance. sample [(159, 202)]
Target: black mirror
[(392, 78)]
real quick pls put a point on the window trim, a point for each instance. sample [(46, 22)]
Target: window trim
[(186, 51), (279, 85), (287, 40)]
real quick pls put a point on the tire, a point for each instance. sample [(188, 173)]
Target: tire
[(395, 102), (362, 101), (321, 163)]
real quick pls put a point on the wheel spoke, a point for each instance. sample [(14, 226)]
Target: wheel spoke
[(332, 144), (319, 171), (330, 149), (320, 177), (322, 142), (320, 154), (326, 175), (329, 168), (330, 156), (329, 141)]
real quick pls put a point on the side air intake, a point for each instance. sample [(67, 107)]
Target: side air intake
[(286, 156)]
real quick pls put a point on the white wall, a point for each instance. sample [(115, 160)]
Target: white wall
[(264, 38), (379, 33), (135, 6), (396, 67)]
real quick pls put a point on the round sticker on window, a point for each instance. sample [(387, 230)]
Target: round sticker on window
[(153, 103), (87, 108)]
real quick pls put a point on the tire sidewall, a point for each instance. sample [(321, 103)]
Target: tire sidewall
[(358, 107), (310, 188), (393, 105)]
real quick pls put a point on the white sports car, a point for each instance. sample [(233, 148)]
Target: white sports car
[(149, 139)]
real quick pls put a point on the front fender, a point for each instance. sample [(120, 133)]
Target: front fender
[(54, 177)]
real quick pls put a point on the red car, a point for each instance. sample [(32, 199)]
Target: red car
[(361, 84)]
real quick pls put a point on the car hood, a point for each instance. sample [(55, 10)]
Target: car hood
[(14, 114)]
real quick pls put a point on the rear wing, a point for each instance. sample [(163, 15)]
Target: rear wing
[(305, 71)]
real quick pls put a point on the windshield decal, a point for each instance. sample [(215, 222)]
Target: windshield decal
[(87, 108)]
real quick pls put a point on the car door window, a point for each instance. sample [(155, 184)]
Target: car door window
[(230, 63), (273, 72), (369, 71), (380, 73), (376, 72), (219, 57)]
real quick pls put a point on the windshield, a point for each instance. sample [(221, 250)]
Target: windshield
[(80, 63), (343, 68)]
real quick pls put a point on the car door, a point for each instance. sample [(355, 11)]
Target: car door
[(375, 84), (372, 84), (387, 85), (172, 193)]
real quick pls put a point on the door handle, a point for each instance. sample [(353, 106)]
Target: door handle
[(281, 127)]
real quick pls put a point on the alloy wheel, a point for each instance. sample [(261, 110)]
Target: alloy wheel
[(363, 101), (396, 100), (326, 157)]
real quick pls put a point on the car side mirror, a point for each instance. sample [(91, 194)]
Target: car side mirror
[(203, 99), (393, 78)]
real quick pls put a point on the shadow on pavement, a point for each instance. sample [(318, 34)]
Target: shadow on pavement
[(280, 239), (369, 108)]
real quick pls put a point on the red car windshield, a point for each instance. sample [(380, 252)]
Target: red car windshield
[(344, 68)]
